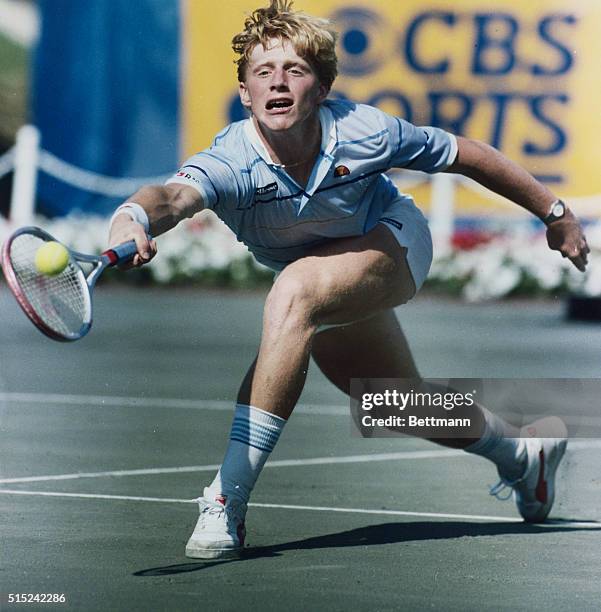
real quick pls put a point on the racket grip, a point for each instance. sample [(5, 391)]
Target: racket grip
[(121, 253)]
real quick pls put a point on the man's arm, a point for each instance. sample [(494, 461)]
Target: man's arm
[(164, 206), (489, 167)]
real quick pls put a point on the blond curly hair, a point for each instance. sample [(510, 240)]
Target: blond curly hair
[(310, 36)]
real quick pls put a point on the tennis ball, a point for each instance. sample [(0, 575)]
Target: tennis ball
[(51, 258)]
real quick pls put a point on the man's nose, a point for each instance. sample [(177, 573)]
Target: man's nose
[(279, 79)]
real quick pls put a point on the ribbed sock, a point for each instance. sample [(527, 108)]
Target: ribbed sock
[(499, 443), (253, 436)]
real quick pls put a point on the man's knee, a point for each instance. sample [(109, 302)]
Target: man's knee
[(293, 300)]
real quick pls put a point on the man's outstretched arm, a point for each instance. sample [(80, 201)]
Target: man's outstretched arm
[(489, 167), (163, 208)]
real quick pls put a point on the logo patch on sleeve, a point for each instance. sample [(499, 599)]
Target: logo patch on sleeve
[(187, 176), (341, 171), (261, 191)]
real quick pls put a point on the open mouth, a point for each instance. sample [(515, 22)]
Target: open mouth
[(279, 104)]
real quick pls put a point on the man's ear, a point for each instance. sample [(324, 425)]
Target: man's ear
[(322, 93), (244, 95)]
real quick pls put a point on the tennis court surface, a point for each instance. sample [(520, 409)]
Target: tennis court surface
[(105, 443)]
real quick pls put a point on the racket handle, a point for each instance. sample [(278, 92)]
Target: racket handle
[(121, 253)]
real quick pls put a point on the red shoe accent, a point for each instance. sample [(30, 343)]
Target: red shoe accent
[(221, 499), (541, 486)]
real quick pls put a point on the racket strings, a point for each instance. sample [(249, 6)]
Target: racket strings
[(59, 301)]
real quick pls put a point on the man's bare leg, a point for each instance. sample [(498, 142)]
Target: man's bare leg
[(346, 280), (372, 348), (377, 348), (341, 282)]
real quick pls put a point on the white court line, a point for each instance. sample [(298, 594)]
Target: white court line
[(257, 505), (435, 515), (425, 454), (114, 401), (401, 455), (167, 500)]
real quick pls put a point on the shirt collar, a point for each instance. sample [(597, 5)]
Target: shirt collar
[(328, 135)]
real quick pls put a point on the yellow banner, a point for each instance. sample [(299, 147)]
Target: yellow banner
[(522, 76)]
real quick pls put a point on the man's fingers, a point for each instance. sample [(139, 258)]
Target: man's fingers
[(584, 251), (578, 256), (143, 246), (569, 240), (579, 262)]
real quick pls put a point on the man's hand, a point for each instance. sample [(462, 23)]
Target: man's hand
[(567, 237), (124, 229)]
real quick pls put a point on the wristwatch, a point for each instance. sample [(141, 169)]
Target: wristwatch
[(556, 212)]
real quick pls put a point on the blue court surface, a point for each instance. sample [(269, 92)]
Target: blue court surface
[(105, 443)]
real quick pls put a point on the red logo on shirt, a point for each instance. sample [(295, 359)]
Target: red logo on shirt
[(341, 171)]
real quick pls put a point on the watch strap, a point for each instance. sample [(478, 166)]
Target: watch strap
[(557, 211)]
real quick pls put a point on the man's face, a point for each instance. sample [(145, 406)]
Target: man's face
[(281, 89)]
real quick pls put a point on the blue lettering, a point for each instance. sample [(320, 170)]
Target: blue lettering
[(566, 58), (396, 97), (440, 118), (559, 137), (410, 43), (489, 44), (500, 101), (452, 111)]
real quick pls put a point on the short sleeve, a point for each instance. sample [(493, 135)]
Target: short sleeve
[(214, 176), (424, 148)]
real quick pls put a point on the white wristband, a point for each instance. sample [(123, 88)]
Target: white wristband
[(136, 212)]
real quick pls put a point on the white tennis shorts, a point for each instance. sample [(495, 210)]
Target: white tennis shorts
[(411, 231), (410, 228)]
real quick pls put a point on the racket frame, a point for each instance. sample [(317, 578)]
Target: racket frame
[(108, 258)]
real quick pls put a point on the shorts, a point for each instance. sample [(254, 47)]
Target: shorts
[(410, 228)]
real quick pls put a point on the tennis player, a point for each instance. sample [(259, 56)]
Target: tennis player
[(302, 183)]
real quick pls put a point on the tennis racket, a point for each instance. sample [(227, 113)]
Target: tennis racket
[(59, 306)]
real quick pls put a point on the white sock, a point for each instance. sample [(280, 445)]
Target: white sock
[(252, 438), (499, 443)]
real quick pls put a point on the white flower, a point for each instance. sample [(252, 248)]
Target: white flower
[(492, 270)]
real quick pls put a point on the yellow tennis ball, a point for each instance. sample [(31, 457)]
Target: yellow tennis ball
[(51, 258)]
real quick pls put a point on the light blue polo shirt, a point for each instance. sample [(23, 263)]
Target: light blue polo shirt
[(347, 192)]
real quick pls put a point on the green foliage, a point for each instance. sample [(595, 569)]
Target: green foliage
[(14, 61)]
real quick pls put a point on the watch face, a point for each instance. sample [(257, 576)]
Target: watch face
[(558, 209)]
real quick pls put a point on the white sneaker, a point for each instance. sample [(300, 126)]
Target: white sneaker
[(220, 531), (534, 492)]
